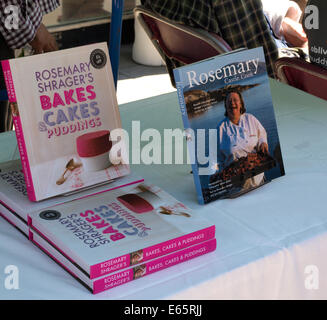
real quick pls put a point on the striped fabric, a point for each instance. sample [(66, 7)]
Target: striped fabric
[(18, 33)]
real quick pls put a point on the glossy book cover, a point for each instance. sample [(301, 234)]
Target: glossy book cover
[(13, 191), (113, 230), (230, 124), (65, 114), (114, 279)]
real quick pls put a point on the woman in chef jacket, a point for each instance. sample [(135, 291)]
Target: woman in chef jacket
[(240, 133)]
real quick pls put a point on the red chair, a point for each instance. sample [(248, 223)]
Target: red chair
[(302, 75), (179, 42)]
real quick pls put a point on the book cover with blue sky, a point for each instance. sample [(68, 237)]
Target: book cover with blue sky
[(230, 157)]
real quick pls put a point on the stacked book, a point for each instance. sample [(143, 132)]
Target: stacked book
[(72, 192)]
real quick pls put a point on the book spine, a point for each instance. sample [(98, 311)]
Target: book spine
[(8, 80), (18, 130), (52, 256), (191, 145), (153, 266), (12, 219), (152, 252)]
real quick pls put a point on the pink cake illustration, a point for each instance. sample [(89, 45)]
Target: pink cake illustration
[(147, 201), (93, 149), (143, 202)]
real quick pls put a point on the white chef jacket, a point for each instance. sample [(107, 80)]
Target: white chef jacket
[(237, 141)]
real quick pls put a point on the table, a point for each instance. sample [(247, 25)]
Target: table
[(271, 242)]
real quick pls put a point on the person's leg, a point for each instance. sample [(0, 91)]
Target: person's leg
[(5, 112), (243, 24)]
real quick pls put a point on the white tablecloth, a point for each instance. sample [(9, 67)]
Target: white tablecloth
[(271, 242)]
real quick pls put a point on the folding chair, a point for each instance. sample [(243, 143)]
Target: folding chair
[(302, 75), (175, 41)]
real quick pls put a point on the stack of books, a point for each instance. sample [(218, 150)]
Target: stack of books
[(72, 192)]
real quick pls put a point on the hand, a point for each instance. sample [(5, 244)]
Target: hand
[(264, 148), (293, 33), (43, 41)]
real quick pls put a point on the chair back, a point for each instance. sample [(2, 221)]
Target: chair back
[(180, 42), (302, 75)]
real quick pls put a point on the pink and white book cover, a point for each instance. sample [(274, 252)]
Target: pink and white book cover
[(124, 276), (66, 118), (13, 191), (114, 230)]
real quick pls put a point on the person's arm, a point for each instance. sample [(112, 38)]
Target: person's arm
[(293, 33), (43, 41), (18, 26), (276, 11), (21, 25), (284, 17)]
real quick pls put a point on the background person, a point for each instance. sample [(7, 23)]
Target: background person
[(242, 24), (283, 16), (30, 30)]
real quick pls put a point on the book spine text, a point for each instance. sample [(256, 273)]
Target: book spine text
[(18, 129), (8, 80), (153, 266), (191, 145), (153, 252)]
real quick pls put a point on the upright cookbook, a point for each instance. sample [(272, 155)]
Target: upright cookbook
[(66, 119), (230, 124)]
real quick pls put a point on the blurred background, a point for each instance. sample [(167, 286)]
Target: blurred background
[(142, 73), (78, 22)]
